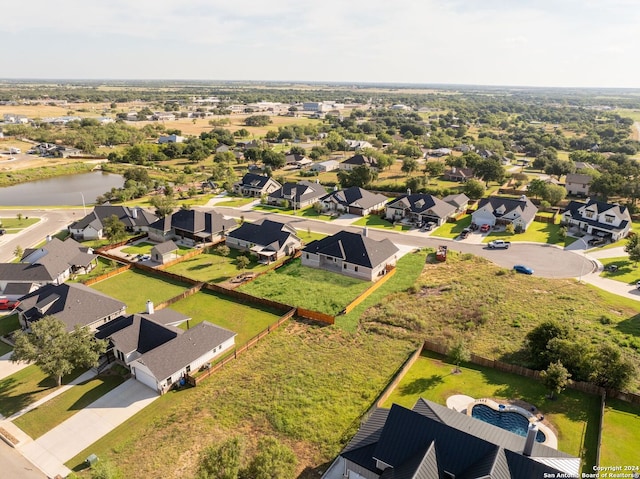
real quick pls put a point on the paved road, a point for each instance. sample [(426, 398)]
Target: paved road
[(14, 465)]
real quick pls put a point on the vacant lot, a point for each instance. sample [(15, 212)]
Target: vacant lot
[(620, 440), (245, 320), (309, 288), (134, 289), (307, 385), (574, 415)]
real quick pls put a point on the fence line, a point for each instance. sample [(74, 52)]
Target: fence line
[(399, 375), (181, 258), (107, 275), (315, 316), (369, 291), (105, 248), (185, 294), (275, 266)]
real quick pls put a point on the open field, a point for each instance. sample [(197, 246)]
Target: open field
[(134, 289), (574, 416), (620, 441), (307, 385), (245, 320), (57, 410), (23, 171), (469, 296), (309, 288), (27, 386)]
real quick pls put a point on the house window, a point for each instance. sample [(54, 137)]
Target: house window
[(169, 381), (344, 266), (609, 218), (356, 269), (306, 256), (589, 214), (188, 369)]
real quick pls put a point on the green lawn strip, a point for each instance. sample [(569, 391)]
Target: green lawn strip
[(574, 415), (215, 268), (236, 202), (374, 221), (620, 439), (14, 225), (452, 230), (47, 416), (307, 385), (309, 288), (627, 272), (145, 248), (27, 386), (9, 324), (245, 320), (134, 288), (408, 270), (4, 348), (537, 232)]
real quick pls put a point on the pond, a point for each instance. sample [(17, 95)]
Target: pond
[(65, 190)]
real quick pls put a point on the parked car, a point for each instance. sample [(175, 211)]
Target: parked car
[(520, 268), (6, 304), (428, 226), (464, 233), (2, 231), (484, 228), (612, 268), (596, 242), (499, 244), (638, 285)]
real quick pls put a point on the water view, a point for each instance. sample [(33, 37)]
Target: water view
[(62, 190)]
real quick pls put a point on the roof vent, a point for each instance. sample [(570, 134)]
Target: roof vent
[(149, 306), (532, 431)]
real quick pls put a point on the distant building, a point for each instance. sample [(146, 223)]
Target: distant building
[(170, 139)]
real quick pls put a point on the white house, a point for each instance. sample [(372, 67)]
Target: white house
[(324, 166), (578, 184), (606, 220), (498, 210)]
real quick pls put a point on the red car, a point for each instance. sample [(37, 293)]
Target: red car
[(5, 304), (484, 228)]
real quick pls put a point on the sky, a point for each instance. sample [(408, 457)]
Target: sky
[(552, 43)]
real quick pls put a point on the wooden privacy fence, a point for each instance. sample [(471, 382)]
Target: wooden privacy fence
[(97, 279), (185, 294), (180, 258), (105, 248), (193, 381), (315, 316), (369, 291), (274, 267)]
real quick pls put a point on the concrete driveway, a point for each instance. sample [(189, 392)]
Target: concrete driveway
[(51, 451)]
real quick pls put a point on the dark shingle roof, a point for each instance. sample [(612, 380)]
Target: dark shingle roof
[(24, 272), (124, 214), (74, 304), (301, 191), (142, 335), (523, 206), (419, 203), (164, 248), (195, 221), (353, 248), (256, 181), (575, 208), (355, 196), (264, 233), (360, 160)]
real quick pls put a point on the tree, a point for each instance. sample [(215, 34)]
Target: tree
[(538, 338), (56, 351), (221, 461), (114, 229), (223, 250), (489, 170), (434, 168), (458, 352), (559, 168), (360, 176), (163, 204), (224, 157), (18, 252), (242, 262), (274, 159), (105, 469), (474, 189), (257, 120), (610, 369), (273, 461), (555, 378), (19, 216), (537, 188), (409, 165), (297, 150), (554, 194)]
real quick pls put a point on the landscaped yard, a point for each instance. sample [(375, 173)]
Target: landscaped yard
[(145, 248), (8, 324), (234, 202), (452, 230), (620, 439), (375, 221), (306, 287), (574, 415), (57, 410), (307, 212), (27, 386), (215, 268), (15, 225), (627, 272), (104, 266), (537, 232), (4, 348), (134, 289), (307, 385), (245, 320)]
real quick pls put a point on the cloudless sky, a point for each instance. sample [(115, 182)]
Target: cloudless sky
[(572, 43)]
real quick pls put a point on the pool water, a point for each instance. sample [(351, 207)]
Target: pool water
[(509, 420)]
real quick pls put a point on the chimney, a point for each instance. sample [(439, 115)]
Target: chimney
[(134, 213), (408, 191), (149, 306), (531, 439)]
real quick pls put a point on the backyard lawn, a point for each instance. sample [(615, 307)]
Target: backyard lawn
[(245, 320), (574, 415), (308, 212), (15, 225), (134, 289), (145, 248), (4, 348), (309, 288), (620, 439), (27, 386), (215, 268), (57, 410)]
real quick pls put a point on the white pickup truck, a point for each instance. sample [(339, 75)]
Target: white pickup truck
[(499, 244)]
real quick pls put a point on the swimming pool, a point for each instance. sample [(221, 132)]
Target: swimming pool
[(509, 420)]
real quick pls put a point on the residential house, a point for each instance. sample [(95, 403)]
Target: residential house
[(438, 152), (358, 144), (158, 353), (354, 200), (164, 252), (170, 139), (460, 201), (15, 291), (255, 185), (298, 195), (72, 303), (163, 116), (577, 184), (431, 441), (92, 226), (325, 166), (52, 263), (294, 159), (267, 239), (499, 210), (351, 254), (359, 160), (194, 225), (459, 174), (420, 208), (607, 220)]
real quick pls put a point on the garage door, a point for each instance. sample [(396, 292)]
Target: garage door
[(145, 378)]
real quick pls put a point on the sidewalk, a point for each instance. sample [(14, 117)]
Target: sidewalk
[(7, 368)]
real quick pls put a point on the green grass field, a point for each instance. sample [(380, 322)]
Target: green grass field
[(452, 230), (375, 221), (574, 415), (15, 225), (308, 212), (620, 441), (537, 232), (134, 289), (9, 323), (4, 348), (245, 320), (145, 248), (104, 266), (47, 416), (627, 272), (236, 202), (309, 288)]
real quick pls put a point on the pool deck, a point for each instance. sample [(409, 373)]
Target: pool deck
[(464, 404)]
